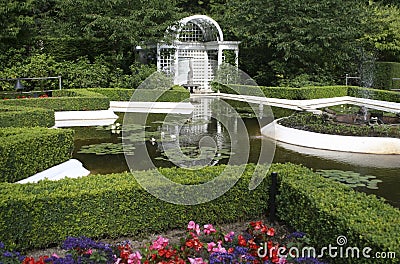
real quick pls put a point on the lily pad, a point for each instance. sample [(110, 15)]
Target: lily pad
[(351, 178), (106, 149)]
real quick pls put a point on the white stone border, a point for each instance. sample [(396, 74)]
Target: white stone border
[(369, 145), (152, 107)]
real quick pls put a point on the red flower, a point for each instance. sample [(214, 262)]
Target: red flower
[(271, 231), (241, 241)]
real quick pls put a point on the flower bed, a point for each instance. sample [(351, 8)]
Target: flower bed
[(257, 244)]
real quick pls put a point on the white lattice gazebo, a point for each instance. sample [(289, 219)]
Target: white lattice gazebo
[(195, 53)]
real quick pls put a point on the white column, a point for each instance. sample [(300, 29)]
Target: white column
[(237, 57), (220, 53), (176, 65)]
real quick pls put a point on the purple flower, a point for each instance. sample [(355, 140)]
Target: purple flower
[(297, 235), (1, 245)]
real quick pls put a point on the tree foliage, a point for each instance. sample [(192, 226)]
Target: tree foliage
[(284, 42)]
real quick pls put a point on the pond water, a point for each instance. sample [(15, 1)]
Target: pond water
[(100, 149)]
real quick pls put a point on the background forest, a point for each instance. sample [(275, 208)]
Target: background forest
[(92, 43)]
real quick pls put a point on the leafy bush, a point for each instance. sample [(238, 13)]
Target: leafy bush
[(64, 100), (17, 116), (26, 151), (115, 205), (326, 209)]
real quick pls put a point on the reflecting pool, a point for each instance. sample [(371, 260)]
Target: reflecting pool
[(100, 149)]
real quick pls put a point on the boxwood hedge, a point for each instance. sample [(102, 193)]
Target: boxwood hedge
[(312, 92), (18, 116), (325, 209), (98, 206), (39, 215), (375, 94), (26, 151)]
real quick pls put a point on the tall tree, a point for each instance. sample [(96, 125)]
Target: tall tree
[(109, 27), (383, 37), (313, 37)]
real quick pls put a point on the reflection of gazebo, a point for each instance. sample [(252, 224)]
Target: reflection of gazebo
[(196, 51)]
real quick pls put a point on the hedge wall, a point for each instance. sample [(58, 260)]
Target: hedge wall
[(26, 151), (38, 215), (375, 94), (325, 209), (176, 94), (64, 100), (114, 94), (18, 116), (312, 92)]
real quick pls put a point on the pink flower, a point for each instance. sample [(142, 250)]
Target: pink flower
[(229, 237), (210, 246), (135, 258), (159, 243), (89, 251), (193, 226), (220, 249), (196, 261), (216, 247), (208, 229)]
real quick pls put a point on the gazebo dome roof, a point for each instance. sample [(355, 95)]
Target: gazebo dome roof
[(199, 28)]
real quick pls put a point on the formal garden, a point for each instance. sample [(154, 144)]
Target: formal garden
[(308, 205)]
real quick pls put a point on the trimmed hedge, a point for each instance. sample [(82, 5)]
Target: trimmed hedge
[(325, 209), (26, 151), (39, 215), (18, 116), (176, 94), (114, 94), (42, 214), (383, 95), (65, 100), (312, 92)]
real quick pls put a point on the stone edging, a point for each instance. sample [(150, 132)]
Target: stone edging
[(368, 145)]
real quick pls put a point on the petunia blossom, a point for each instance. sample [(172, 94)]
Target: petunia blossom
[(196, 261), (208, 229)]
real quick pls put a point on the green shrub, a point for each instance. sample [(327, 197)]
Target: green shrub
[(148, 95), (26, 151), (17, 116), (114, 94), (312, 92), (383, 95), (38, 215), (325, 209), (65, 100)]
